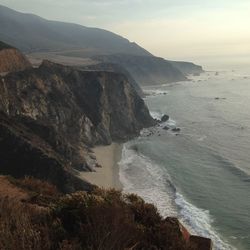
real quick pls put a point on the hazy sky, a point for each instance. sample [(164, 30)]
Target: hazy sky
[(175, 29)]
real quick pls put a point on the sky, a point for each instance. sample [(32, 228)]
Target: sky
[(197, 30)]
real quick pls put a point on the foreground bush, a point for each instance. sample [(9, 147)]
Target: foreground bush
[(104, 220)]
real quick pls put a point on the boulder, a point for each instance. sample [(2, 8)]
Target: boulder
[(166, 128), (165, 118), (176, 129), (201, 243)]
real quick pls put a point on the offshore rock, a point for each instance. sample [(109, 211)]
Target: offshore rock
[(165, 118)]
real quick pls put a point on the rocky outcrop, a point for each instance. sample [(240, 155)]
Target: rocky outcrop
[(146, 70), (51, 115), (201, 243), (25, 153), (11, 59), (197, 242), (111, 67), (165, 118)]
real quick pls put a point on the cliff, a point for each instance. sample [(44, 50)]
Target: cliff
[(146, 70), (11, 59), (51, 115), (111, 67)]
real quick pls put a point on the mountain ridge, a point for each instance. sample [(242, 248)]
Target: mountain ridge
[(39, 34), (32, 34)]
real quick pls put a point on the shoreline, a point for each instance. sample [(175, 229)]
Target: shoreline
[(106, 176)]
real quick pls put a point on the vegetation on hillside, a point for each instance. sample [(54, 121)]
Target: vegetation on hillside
[(103, 219)]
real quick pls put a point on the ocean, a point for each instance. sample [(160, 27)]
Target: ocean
[(202, 173)]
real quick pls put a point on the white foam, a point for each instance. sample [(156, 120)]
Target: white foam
[(139, 175), (156, 115), (199, 222), (170, 123), (202, 138), (155, 92)]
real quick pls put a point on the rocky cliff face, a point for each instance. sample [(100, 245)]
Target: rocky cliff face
[(111, 67), (52, 114), (11, 59), (146, 70)]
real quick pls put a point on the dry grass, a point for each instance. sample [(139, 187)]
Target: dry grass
[(18, 230), (38, 186), (102, 220)]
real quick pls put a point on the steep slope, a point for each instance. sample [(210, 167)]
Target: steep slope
[(144, 69), (111, 67), (52, 114), (34, 215), (32, 33), (11, 59)]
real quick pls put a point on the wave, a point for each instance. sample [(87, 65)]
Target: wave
[(140, 175), (155, 92), (157, 115), (199, 222), (231, 166)]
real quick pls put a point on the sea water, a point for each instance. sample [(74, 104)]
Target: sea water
[(202, 173)]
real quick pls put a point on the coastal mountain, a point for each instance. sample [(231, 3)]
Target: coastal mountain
[(187, 68), (52, 115), (31, 33), (41, 38), (144, 69), (11, 59)]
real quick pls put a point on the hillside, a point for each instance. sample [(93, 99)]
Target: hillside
[(187, 67), (34, 215), (144, 69), (31, 33), (11, 59)]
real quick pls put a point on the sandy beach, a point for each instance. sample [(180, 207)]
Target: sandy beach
[(106, 176)]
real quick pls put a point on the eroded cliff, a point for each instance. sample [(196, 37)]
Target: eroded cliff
[(53, 114)]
